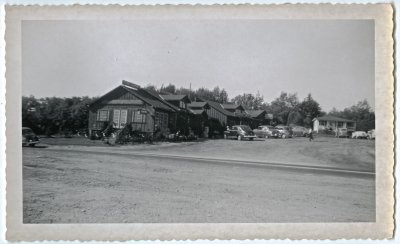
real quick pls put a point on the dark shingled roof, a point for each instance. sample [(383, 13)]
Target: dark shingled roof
[(197, 104), (231, 106), (149, 98), (146, 95), (255, 113), (333, 118), (170, 97)]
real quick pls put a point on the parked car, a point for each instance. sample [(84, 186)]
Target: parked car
[(29, 138), (282, 132), (342, 132), (299, 131), (264, 131), (371, 134), (239, 132), (359, 135)]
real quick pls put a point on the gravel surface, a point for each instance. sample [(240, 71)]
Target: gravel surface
[(78, 184), (324, 151)]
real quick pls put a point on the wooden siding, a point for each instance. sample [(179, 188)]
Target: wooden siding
[(148, 126), (213, 113)]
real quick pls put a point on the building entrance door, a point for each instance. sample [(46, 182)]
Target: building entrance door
[(120, 117)]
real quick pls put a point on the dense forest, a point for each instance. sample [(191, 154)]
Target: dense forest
[(53, 115)]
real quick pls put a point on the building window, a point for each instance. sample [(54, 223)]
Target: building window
[(138, 117), (182, 104), (161, 120), (323, 123), (102, 115), (340, 124)]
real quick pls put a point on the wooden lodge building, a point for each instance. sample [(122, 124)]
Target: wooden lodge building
[(154, 114), (130, 104)]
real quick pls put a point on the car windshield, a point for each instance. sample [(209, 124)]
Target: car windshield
[(245, 128), (27, 131)]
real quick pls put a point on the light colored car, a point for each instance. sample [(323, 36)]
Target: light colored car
[(239, 132), (359, 135), (342, 132), (264, 131), (29, 138), (282, 131), (371, 134), (299, 131)]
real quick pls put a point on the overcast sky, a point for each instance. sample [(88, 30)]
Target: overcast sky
[(331, 59)]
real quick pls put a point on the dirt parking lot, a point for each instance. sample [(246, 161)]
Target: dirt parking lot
[(66, 181)]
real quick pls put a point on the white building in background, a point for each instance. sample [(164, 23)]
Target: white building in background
[(332, 123)]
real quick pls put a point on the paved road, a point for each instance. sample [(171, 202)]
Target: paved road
[(72, 186)]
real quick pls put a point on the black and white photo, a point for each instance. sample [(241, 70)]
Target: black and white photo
[(202, 120)]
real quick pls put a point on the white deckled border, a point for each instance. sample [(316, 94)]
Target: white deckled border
[(384, 101)]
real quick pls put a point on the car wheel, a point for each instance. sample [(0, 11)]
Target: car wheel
[(31, 145), (251, 139)]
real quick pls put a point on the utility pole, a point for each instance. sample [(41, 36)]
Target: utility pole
[(190, 90)]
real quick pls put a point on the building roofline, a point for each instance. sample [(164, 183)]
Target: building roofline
[(333, 118)]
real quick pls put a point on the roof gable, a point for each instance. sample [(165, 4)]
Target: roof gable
[(219, 108), (139, 93), (152, 98), (115, 93)]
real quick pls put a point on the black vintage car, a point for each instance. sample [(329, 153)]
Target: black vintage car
[(239, 132), (29, 138)]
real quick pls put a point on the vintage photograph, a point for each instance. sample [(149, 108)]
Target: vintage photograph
[(199, 122)]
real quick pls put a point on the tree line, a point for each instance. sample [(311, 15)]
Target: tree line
[(52, 115)]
